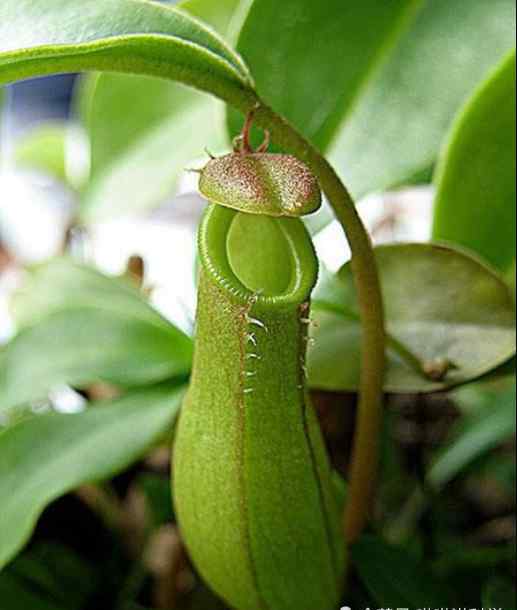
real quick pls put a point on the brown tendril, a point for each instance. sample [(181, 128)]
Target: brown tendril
[(242, 143)]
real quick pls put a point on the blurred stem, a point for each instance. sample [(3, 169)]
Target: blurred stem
[(400, 528), (365, 457)]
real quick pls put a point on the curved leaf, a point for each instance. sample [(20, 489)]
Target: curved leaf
[(115, 35), (119, 110), (491, 425), (144, 131), (47, 456), (79, 327), (395, 579), (475, 201), (64, 284), (439, 302)]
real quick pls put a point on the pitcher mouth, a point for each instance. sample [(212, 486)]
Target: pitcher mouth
[(243, 269)]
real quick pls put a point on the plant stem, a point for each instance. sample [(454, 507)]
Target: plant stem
[(365, 457)]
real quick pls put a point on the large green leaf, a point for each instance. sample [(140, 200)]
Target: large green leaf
[(395, 579), (143, 131), (311, 60), (119, 111), (376, 83), (79, 327), (475, 202), (115, 35), (440, 303), (397, 128), (47, 456)]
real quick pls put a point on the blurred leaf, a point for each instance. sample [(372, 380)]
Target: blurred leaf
[(16, 594), (395, 579), (79, 327), (439, 302), (475, 202), (43, 149), (386, 79), (500, 468), (65, 284), (145, 175), (460, 558), (144, 132), (311, 60), (499, 594), (488, 421), (202, 598), (48, 456), (78, 347), (157, 491), (115, 35), (476, 435), (55, 571)]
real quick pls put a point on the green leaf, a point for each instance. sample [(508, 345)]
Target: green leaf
[(16, 594), (384, 77), (157, 492), (398, 123), (440, 303), (116, 35), (48, 456), (43, 149), (395, 579), (499, 593), (491, 424), (143, 132), (63, 284), (118, 110), (475, 202), (147, 172), (79, 327), (311, 60), (56, 572)]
